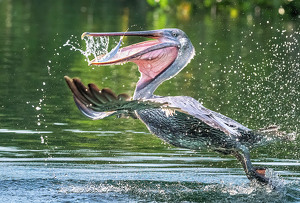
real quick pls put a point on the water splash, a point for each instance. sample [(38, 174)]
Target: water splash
[(156, 191), (263, 70), (275, 180), (94, 46), (111, 54)]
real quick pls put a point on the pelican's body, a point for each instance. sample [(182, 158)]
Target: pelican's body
[(181, 120), (185, 129)]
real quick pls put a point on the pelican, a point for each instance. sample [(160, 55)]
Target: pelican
[(178, 120)]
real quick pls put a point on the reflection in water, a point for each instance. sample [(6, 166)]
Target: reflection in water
[(23, 131), (181, 121)]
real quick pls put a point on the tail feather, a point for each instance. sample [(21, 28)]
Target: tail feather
[(274, 129), (273, 133)]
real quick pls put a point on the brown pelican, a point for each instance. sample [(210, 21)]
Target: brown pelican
[(179, 120)]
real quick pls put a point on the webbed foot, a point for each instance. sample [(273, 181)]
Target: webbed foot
[(259, 174), (252, 173)]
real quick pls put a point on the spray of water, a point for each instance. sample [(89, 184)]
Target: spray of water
[(263, 75), (94, 46)]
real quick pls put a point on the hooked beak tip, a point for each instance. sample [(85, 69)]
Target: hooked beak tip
[(90, 63), (85, 34)]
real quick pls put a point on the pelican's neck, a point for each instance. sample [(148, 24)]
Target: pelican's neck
[(183, 58), (147, 91)]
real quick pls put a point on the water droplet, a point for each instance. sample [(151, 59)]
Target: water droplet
[(42, 140), (95, 46)]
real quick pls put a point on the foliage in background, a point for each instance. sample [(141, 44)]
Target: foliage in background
[(290, 8)]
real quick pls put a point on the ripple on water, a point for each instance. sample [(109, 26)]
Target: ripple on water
[(98, 132), (24, 131)]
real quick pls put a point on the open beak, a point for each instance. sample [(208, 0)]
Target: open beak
[(146, 50), (150, 34)]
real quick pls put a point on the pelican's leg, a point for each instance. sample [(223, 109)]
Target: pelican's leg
[(257, 173)]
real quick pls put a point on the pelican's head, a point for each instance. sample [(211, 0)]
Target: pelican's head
[(159, 59)]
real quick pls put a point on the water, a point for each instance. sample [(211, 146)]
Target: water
[(95, 46), (246, 68)]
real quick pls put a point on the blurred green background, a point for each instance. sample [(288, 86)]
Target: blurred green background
[(234, 8)]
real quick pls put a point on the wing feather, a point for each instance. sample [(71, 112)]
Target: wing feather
[(192, 107), (98, 104)]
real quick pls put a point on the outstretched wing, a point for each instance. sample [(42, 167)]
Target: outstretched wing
[(98, 104)]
